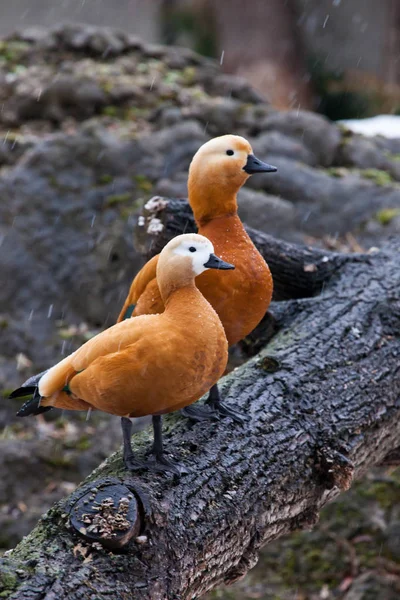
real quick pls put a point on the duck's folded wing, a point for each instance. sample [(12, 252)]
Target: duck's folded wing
[(111, 340), (107, 382), (145, 277), (131, 380)]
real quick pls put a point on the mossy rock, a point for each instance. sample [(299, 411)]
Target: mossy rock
[(386, 215), (118, 199), (143, 183), (13, 51), (8, 581), (105, 179), (378, 176)]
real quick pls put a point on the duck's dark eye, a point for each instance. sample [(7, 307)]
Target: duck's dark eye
[(192, 249), (230, 152)]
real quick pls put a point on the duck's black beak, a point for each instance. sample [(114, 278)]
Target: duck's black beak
[(254, 165), (217, 263)]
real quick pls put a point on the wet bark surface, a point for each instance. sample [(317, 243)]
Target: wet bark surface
[(323, 401)]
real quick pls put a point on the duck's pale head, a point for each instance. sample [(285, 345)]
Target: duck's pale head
[(185, 257), (217, 172)]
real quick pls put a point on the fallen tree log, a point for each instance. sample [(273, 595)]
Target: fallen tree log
[(323, 400)]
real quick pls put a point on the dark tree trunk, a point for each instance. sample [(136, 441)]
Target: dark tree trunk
[(260, 41), (323, 400)]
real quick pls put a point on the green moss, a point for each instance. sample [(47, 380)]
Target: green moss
[(105, 179), (386, 215), (111, 111), (172, 77), (60, 461), (127, 211), (143, 183), (377, 176), (387, 494), (337, 171), (84, 443), (8, 582), (394, 157), (118, 199), (13, 51), (66, 334), (188, 76), (135, 113)]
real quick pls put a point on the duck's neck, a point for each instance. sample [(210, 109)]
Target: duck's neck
[(183, 298), (211, 202), (223, 228)]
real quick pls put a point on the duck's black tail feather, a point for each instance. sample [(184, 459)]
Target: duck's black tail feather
[(23, 391), (30, 388), (32, 406)]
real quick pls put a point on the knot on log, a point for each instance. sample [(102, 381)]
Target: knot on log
[(269, 364), (109, 512), (334, 468)]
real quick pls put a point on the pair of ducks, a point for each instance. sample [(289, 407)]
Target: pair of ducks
[(176, 347)]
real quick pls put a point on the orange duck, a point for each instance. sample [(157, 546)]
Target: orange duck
[(217, 172), (151, 365)]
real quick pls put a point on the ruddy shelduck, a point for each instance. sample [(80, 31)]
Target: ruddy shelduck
[(150, 365), (217, 172)]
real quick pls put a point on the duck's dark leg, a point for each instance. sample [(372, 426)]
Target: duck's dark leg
[(131, 463), (161, 463), (212, 409), (214, 400)]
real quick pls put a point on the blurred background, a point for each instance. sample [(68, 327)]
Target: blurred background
[(338, 57), (102, 106)]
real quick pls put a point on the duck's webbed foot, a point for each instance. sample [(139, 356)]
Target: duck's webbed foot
[(133, 464), (213, 409), (163, 464), (160, 463), (200, 413)]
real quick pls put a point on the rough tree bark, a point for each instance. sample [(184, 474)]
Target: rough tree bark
[(323, 400)]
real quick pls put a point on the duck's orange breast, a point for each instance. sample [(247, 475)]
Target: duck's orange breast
[(241, 297)]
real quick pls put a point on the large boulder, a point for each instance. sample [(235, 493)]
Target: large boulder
[(317, 133)]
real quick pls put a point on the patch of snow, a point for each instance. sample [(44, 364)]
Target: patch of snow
[(386, 125)]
